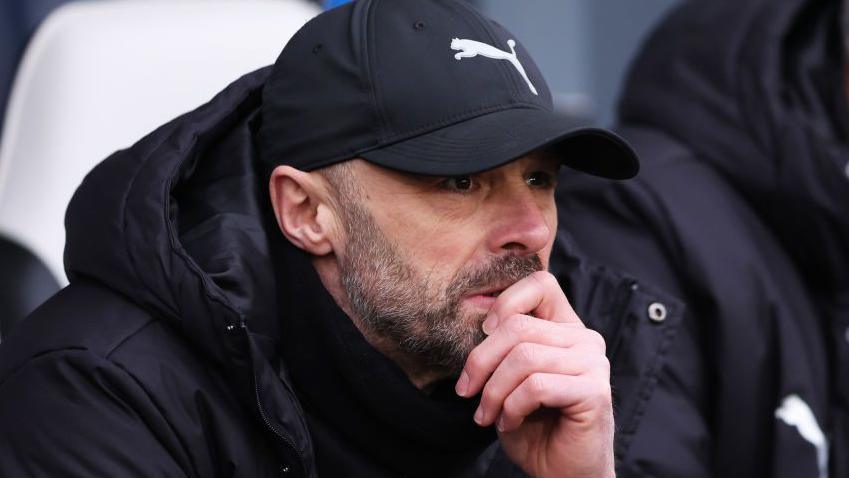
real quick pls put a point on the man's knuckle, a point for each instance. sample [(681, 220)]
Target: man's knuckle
[(518, 324), (510, 407), (600, 366), (549, 280), (525, 353), (488, 394), (537, 385), (545, 280), (474, 362), (601, 393), (597, 339), (604, 364)]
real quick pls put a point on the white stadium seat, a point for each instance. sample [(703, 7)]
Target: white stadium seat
[(98, 75)]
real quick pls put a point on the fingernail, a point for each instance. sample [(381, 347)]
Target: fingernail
[(479, 415), (462, 384), (490, 324), (500, 424)]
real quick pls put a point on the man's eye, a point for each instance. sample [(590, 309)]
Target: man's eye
[(540, 179), (459, 183)]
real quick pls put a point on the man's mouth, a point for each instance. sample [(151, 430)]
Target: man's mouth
[(492, 290), (485, 297)]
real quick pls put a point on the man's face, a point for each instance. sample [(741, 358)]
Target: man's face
[(423, 257)]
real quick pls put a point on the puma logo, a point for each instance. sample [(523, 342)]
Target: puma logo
[(472, 48), (796, 413)]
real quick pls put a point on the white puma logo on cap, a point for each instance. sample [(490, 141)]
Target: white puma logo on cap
[(471, 48)]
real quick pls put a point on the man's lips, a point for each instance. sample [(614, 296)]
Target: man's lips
[(493, 291), (485, 297)]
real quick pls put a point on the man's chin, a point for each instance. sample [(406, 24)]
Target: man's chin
[(472, 316), (451, 353)]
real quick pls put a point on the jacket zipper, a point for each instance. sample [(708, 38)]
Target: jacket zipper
[(268, 424)]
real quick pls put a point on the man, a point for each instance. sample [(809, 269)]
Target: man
[(382, 308), (740, 113)]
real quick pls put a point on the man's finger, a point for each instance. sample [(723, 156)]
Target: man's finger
[(486, 357), (539, 295), (581, 398), (527, 359)]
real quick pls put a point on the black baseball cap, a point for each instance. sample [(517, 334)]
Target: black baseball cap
[(422, 86)]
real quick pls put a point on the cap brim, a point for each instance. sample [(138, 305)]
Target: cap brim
[(491, 140)]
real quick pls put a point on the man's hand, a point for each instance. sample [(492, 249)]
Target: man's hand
[(545, 381)]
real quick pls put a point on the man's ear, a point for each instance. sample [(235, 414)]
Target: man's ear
[(302, 208)]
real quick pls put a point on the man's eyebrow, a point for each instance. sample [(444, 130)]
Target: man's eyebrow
[(421, 178), (547, 160), (414, 179)]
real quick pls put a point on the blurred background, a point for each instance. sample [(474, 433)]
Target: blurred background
[(81, 79), (582, 46)]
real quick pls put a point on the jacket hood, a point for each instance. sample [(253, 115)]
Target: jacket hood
[(174, 223), (179, 224), (756, 90)]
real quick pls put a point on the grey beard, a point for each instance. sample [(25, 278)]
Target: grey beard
[(390, 300)]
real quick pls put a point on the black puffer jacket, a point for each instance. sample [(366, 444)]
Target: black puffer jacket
[(739, 113), (160, 358)]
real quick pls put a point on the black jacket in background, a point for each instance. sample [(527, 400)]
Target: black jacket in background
[(161, 357), (739, 113)]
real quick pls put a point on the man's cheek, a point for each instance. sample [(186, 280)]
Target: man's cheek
[(545, 255)]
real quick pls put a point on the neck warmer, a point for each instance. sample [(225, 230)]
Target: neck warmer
[(365, 416)]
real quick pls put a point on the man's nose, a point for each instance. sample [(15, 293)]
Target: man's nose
[(519, 224)]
